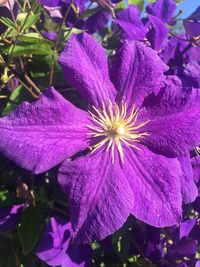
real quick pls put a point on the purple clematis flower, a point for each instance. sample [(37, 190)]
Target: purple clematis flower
[(129, 139), (132, 27), (55, 249), (183, 245)]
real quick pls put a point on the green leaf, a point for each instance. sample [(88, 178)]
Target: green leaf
[(72, 31), (19, 95), (139, 3), (3, 194), (41, 195), (8, 257), (120, 5), (33, 37), (7, 22), (30, 228), (31, 20), (36, 47), (90, 12)]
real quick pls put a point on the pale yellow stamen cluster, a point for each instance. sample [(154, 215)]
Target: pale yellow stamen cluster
[(116, 127), (197, 150)]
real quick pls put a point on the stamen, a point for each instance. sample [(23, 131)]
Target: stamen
[(197, 150), (114, 126)]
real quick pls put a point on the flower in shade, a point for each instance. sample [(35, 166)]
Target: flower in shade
[(50, 35), (189, 74), (55, 249), (183, 245), (162, 9), (133, 28), (94, 23), (124, 151), (9, 217)]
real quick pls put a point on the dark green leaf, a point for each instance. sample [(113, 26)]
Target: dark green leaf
[(30, 229), (8, 257), (90, 12)]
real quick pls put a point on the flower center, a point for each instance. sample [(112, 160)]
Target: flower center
[(116, 127)]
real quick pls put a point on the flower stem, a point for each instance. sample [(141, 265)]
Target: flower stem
[(57, 42)]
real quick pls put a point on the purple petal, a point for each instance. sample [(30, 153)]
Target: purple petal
[(186, 227), (188, 187), (192, 28), (78, 256), (174, 121), (50, 35), (12, 84), (168, 50), (54, 242), (187, 247), (157, 34), (179, 57), (163, 9), (50, 3), (130, 23), (97, 22), (195, 15), (100, 195), (192, 23), (155, 245), (155, 183), (40, 135), (55, 13), (9, 217), (136, 72), (196, 168), (84, 63), (190, 75)]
